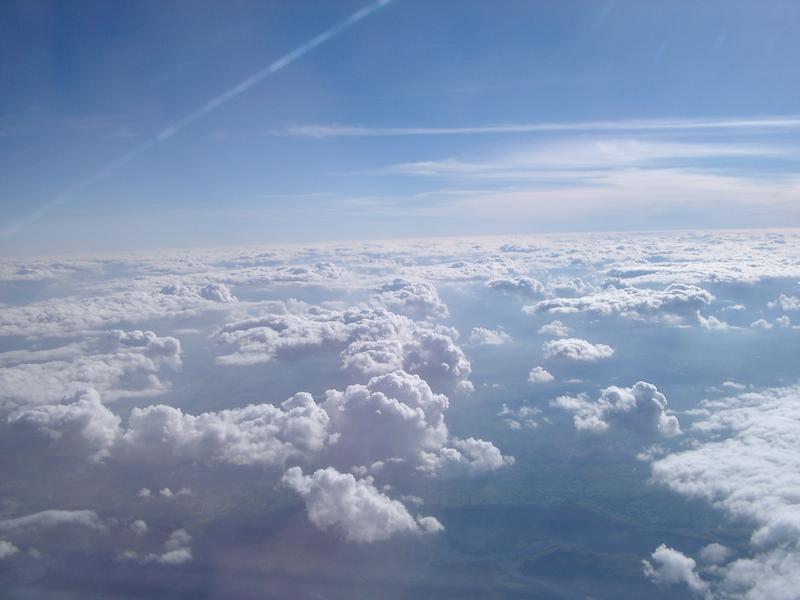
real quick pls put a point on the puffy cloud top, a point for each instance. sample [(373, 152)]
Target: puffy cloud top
[(354, 506), (576, 349), (641, 408), (417, 300)]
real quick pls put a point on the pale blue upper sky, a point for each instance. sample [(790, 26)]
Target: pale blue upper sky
[(150, 124)]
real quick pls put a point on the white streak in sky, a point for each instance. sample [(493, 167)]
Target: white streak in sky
[(766, 123), (210, 106)]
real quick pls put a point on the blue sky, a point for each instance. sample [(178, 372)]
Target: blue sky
[(421, 118)]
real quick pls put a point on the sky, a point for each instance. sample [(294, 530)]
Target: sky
[(137, 125), (399, 299)]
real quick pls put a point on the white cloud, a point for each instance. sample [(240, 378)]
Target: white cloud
[(82, 422), (786, 303), (761, 324), (777, 123), (7, 549), (521, 284), (116, 364), (66, 316), (715, 553), (354, 506), (525, 416), (417, 300), (480, 336), (258, 434), (555, 329), (374, 341), (176, 549), (393, 416), (139, 528), (744, 461), (676, 301), (576, 349), (641, 408), (396, 417), (540, 375), (670, 567), (52, 518)]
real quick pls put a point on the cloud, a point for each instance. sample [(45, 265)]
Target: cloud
[(774, 123), (540, 375), (715, 553), (68, 315), (676, 301), (354, 506), (670, 567), (176, 549), (258, 434), (375, 341), (52, 518), (417, 300), (521, 284), (82, 422), (641, 408), (394, 416), (525, 416), (7, 549), (139, 528), (786, 303), (555, 329), (744, 461), (397, 418), (480, 336), (115, 363), (576, 349)]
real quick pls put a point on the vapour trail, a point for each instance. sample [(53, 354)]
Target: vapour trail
[(210, 106)]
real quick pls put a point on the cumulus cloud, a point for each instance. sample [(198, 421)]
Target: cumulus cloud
[(374, 341), (744, 461), (786, 303), (258, 434), (715, 553), (677, 302), (415, 299), (540, 375), (521, 284), (7, 549), (68, 315), (82, 422), (139, 528), (671, 567), (641, 408), (525, 416), (576, 349), (176, 549), (555, 329), (396, 417), (116, 364), (480, 336), (761, 324), (354, 506)]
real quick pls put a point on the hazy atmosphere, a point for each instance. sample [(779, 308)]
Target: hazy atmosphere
[(399, 299)]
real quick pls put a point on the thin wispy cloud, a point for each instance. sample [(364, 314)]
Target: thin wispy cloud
[(790, 122)]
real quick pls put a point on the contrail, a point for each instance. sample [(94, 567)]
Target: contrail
[(210, 106)]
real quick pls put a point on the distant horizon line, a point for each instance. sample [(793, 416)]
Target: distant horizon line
[(108, 254)]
